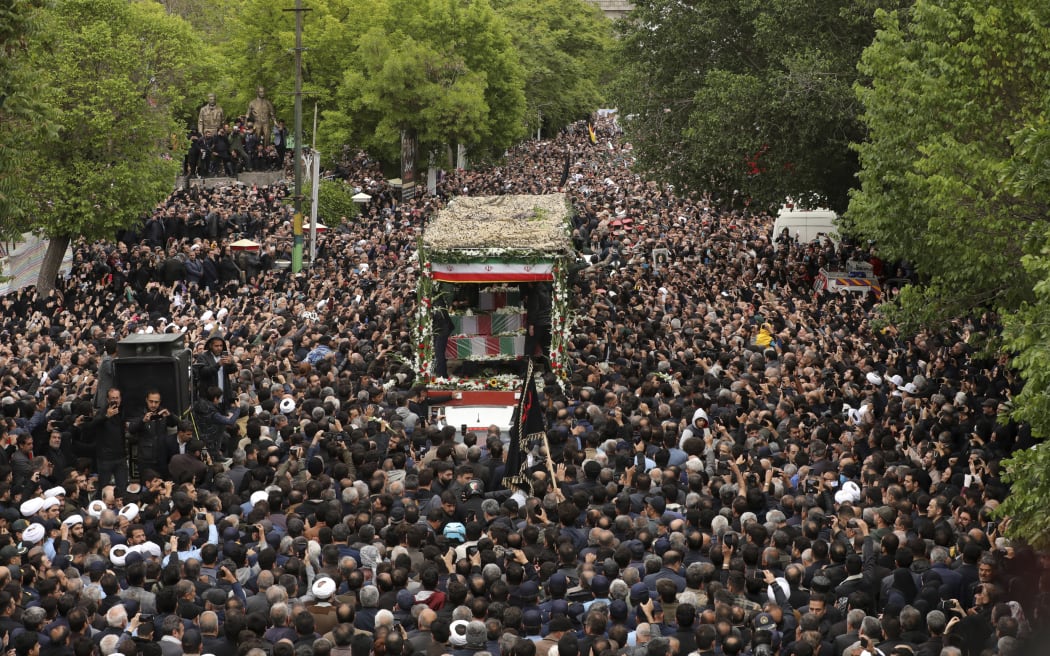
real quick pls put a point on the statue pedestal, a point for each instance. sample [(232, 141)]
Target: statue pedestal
[(256, 178)]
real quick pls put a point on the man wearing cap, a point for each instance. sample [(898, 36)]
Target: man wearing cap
[(559, 625), (110, 441), (600, 589), (323, 611)]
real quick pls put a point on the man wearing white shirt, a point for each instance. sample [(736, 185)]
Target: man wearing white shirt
[(182, 541)]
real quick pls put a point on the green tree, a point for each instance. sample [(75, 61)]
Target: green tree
[(565, 48), (444, 68), (22, 110), (940, 120), (260, 52), (335, 200), (208, 17), (750, 99), (1027, 334), (954, 180), (115, 72)]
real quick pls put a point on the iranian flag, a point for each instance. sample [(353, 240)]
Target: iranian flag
[(465, 348), (482, 272), (488, 324)]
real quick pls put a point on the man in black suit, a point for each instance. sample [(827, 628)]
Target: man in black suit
[(852, 634), (175, 444), (107, 427), (217, 368), (149, 433), (213, 643)]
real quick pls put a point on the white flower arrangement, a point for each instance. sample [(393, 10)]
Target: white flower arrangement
[(499, 383)]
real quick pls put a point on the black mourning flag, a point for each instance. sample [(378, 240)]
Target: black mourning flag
[(526, 426), (565, 171)]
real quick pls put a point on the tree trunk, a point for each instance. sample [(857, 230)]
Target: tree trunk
[(56, 249)]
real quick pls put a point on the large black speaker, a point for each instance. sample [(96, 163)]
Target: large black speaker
[(170, 375), (153, 345)]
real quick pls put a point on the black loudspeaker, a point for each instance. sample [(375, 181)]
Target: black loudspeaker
[(136, 346), (169, 375)]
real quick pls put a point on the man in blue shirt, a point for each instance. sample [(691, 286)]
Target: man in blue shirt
[(182, 543)]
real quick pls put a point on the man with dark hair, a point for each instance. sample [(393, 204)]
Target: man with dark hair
[(149, 433), (216, 368), (212, 420), (191, 642), (191, 465), (671, 566), (171, 630), (685, 617), (106, 372), (26, 644), (107, 427)]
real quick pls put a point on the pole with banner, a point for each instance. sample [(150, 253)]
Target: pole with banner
[(408, 165), (315, 171), (526, 429), (297, 242), (297, 224)]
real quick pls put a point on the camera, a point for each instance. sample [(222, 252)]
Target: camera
[(145, 617), (202, 516), (729, 539)]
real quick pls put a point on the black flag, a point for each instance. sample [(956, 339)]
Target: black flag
[(526, 426), (565, 171)]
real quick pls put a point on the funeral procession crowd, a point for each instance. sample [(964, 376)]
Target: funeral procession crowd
[(739, 464)]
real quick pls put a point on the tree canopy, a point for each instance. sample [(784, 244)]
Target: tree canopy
[(953, 180), (564, 48), (115, 72), (444, 68), (746, 97), (941, 121), (22, 109)]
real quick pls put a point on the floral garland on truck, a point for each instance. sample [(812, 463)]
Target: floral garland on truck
[(424, 351), (500, 383), (561, 323)]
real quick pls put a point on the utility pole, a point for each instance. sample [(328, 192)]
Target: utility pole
[(297, 223)]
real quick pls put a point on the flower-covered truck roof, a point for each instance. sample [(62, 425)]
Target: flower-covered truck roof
[(488, 226)]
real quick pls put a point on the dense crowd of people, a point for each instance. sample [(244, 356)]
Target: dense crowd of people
[(744, 465)]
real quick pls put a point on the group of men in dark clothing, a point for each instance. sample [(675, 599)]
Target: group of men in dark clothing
[(233, 149)]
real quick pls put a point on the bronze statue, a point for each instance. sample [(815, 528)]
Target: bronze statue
[(261, 112), (211, 117)]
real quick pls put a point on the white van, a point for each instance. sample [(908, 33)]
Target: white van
[(806, 225)]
